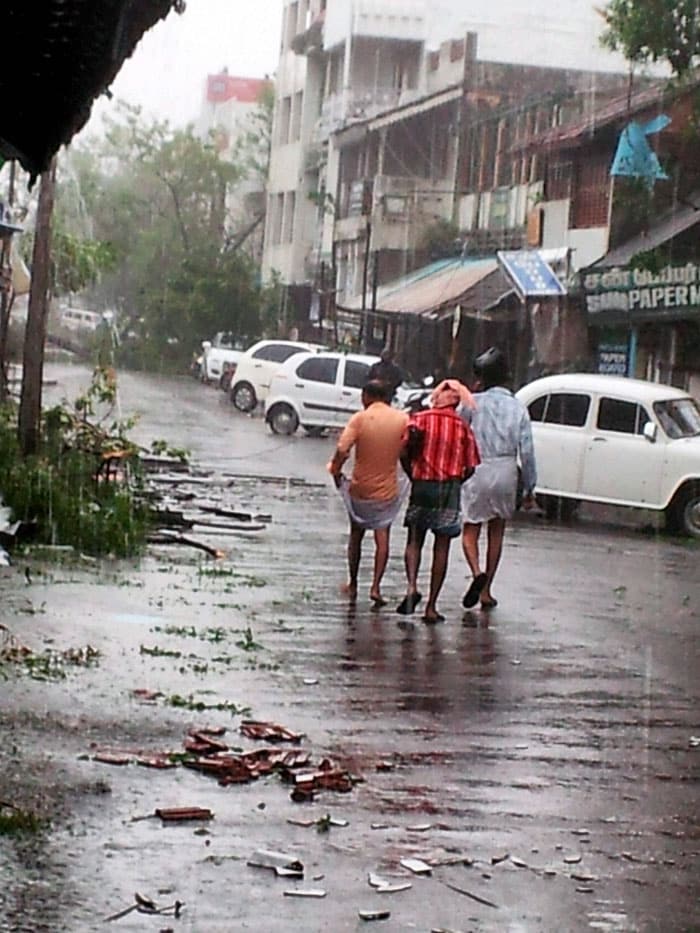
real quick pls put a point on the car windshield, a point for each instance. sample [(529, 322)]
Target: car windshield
[(679, 417)]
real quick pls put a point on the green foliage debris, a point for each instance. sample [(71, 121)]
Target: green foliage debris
[(16, 821), (200, 706), (65, 491)]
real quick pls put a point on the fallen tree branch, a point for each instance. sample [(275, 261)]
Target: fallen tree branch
[(474, 897)]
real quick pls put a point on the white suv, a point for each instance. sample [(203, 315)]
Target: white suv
[(256, 368), (317, 391), (225, 350), (619, 441)]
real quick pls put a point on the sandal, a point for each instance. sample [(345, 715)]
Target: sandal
[(471, 597), (408, 604)]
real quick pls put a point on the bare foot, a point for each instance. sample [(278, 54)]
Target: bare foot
[(349, 590), (487, 600), (432, 617)]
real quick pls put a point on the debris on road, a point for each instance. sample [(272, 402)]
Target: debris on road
[(374, 914), (327, 777), (470, 894), (284, 866), (305, 892), (270, 731), (417, 866), (183, 814), (162, 761), (145, 905), (572, 859), (385, 886), (146, 696), (164, 536), (109, 758)]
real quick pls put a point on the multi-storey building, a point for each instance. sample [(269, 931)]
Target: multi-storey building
[(344, 62), (232, 115)]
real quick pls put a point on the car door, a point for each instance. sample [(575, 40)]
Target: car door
[(559, 434), (315, 388), (621, 465), (353, 377), (265, 363)]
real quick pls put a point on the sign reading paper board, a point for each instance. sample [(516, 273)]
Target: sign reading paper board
[(531, 275)]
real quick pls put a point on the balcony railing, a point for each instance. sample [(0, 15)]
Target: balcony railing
[(338, 110)]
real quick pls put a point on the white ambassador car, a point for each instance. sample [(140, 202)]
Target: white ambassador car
[(618, 441), (317, 391)]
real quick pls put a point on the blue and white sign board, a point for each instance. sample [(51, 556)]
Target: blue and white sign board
[(531, 275)]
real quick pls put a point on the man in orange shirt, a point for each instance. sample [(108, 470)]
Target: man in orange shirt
[(373, 497)]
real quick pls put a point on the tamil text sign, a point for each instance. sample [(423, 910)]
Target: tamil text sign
[(633, 291)]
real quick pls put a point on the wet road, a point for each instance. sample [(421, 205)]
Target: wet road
[(555, 731)]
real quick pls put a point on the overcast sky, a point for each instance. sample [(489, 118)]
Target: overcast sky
[(167, 71)]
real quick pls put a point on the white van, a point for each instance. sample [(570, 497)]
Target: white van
[(618, 441)]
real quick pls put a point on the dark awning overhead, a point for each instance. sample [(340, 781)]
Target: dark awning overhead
[(433, 291), (668, 226), (57, 57)]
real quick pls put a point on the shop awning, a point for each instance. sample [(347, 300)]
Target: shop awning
[(434, 290), (677, 221), (58, 56)]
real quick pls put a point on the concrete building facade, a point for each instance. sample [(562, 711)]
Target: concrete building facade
[(343, 62), (230, 112)]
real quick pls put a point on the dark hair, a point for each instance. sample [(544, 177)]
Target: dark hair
[(491, 367), (376, 390)]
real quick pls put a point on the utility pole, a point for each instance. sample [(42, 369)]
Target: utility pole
[(365, 279), (462, 127), (37, 313)]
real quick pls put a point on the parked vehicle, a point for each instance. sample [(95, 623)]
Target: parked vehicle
[(618, 441), (414, 397), (220, 355), (257, 366), (317, 391)]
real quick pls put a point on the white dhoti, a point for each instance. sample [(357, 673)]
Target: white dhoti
[(372, 514), (491, 491)]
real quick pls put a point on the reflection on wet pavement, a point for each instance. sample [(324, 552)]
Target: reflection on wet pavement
[(537, 756)]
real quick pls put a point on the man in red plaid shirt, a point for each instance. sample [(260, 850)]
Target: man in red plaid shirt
[(439, 455)]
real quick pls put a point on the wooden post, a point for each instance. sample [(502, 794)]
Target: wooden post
[(37, 313), (5, 293)]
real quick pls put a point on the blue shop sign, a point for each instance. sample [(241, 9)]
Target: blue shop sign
[(531, 275), (613, 359)]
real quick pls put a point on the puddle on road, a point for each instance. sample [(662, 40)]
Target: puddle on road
[(610, 922), (137, 618)]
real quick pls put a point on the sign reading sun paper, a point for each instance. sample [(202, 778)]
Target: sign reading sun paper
[(673, 289)]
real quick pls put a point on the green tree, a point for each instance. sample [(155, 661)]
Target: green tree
[(655, 31), (180, 270)]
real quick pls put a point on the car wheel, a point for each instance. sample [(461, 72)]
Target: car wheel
[(283, 420), (243, 397), (314, 431), (683, 515), (558, 508)]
